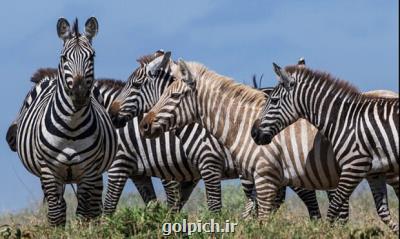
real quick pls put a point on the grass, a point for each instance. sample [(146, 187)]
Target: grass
[(134, 220)]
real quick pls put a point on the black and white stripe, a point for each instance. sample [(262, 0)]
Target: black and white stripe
[(66, 136), (300, 156), (143, 90), (363, 129)]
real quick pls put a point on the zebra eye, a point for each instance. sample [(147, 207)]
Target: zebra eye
[(175, 95), (136, 85), (63, 58), (69, 84)]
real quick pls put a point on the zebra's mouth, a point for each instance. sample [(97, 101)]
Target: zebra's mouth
[(80, 103)]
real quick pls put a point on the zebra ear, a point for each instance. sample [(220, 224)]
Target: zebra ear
[(91, 28), (158, 63), (186, 74), (283, 77), (63, 29)]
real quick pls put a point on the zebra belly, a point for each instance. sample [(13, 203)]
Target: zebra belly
[(308, 158), (162, 157)]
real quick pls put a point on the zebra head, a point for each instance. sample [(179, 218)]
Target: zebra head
[(176, 106), (279, 110), (76, 68), (140, 92)]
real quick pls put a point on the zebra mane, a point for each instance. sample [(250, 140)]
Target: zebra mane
[(43, 73), (76, 29), (226, 85), (110, 83), (347, 87), (146, 59)]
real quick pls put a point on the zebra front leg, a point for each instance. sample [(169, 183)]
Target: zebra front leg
[(379, 193), (350, 177), (173, 193), (89, 192), (212, 183), (54, 195), (115, 185), (145, 188), (251, 204), (310, 200), (266, 190)]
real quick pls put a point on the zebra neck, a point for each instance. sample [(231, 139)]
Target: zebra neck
[(227, 118), (108, 95), (151, 93), (64, 109), (333, 111)]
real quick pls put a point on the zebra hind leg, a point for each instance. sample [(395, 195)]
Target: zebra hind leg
[(344, 210), (54, 195), (379, 193), (309, 198), (90, 197), (145, 188)]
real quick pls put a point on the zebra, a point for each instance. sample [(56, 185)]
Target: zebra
[(105, 91), (42, 79), (299, 156), (363, 129), (66, 136), (152, 78)]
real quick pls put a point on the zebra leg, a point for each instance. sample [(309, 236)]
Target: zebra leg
[(350, 177), (379, 192), (54, 195), (145, 187), (186, 191), (89, 197), (115, 185), (280, 197), (212, 182), (249, 191), (266, 191), (344, 211), (173, 193), (310, 200)]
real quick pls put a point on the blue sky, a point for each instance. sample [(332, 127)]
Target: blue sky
[(355, 40)]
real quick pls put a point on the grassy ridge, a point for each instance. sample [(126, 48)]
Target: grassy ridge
[(133, 220)]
